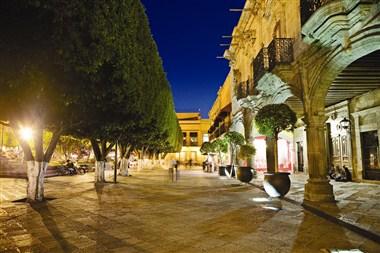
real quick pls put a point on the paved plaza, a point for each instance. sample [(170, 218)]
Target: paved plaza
[(357, 204), (149, 213)]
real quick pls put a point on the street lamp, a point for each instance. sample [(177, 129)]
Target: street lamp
[(26, 133), (345, 123)]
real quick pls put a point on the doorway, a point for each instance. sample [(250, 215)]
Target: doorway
[(370, 152), (300, 160)]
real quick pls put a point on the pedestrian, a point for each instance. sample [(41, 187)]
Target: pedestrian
[(348, 173), (176, 169)]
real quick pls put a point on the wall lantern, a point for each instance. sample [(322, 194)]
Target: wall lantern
[(345, 123)]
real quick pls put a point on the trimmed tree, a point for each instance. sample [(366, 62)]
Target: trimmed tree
[(270, 121), (34, 84), (234, 140), (221, 147), (246, 151), (208, 148)]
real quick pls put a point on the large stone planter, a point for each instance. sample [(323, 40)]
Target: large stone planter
[(244, 174), (229, 169), (222, 170), (276, 184)]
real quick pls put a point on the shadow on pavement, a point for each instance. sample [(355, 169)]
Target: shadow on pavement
[(48, 219)]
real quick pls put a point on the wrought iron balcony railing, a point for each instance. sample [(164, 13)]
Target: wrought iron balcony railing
[(279, 51), (244, 89), (308, 7), (260, 65)]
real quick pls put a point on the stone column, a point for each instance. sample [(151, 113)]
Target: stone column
[(318, 187), (357, 171)]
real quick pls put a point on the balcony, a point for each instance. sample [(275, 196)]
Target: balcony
[(260, 65), (244, 89), (279, 51), (308, 7)]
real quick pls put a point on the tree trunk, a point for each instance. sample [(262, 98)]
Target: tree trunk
[(37, 165), (36, 175), (100, 167), (272, 154), (275, 151), (124, 167), (100, 155), (248, 117)]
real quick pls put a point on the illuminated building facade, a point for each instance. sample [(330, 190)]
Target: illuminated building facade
[(322, 58), (195, 132)]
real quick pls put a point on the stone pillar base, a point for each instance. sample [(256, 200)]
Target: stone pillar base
[(319, 190)]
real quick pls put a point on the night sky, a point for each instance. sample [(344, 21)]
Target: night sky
[(188, 34)]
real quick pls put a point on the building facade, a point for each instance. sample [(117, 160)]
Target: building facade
[(322, 58), (220, 112), (195, 132)]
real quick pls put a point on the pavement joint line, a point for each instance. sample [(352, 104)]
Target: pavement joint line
[(361, 231)]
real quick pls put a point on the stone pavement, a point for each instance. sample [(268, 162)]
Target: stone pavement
[(149, 213), (357, 204)]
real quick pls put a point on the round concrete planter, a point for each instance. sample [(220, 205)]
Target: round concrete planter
[(276, 184), (229, 169), (222, 170), (244, 174)]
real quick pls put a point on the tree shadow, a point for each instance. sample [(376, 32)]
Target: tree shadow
[(105, 241), (48, 220)]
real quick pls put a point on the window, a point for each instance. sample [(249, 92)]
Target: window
[(184, 138), (344, 146), (336, 147), (194, 139), (205, 138)]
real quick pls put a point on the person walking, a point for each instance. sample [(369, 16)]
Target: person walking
[(176, 169)]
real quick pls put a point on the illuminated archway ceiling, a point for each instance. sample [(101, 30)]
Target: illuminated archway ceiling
[(359, 77)]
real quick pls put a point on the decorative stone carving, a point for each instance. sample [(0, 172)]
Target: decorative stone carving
[(229, 55), (271, 90)]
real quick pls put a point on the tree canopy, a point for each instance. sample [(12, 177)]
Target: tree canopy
[(274, 118), (85, 68)]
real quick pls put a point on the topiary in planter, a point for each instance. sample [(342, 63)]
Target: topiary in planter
[(244, 173), (270, 121), (234, 140)]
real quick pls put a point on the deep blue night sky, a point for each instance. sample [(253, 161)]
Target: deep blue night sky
[(188, 34)]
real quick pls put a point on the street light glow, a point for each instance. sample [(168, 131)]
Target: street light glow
[(26, 133)]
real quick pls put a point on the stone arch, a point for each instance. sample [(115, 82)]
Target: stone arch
[(361, 44), (273, 90)]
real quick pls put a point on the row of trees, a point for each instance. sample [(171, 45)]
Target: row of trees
[(89, 69)]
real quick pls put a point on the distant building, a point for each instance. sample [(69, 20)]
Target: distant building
[(194, 130)]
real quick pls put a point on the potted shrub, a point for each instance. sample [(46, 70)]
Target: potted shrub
[(221, 147), (234, 140), (270, 121), (244, 172)]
